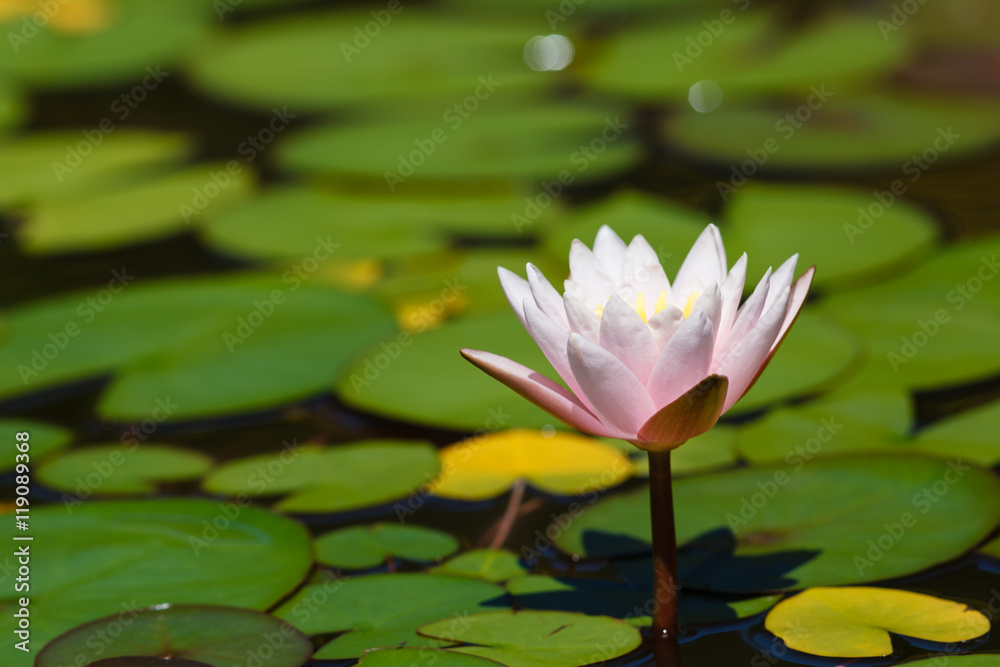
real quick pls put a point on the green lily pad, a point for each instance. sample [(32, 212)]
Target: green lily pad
[(284, 223), (797, 370), (405, 657), (190, 347), (361, 547), (977, 660), (538, 638), (44, 439), (216, 636), (561, 143), (332, 479), (774, 528), (126, 37), (118, 469), (493, 565), (971, 435), (856, 422), (992, 548), (746, 54), (12, 107), (712, 450), (843, 133), (846, 244), (382, 610), (51, 167), (855, 621), (152, 208), (328, 61), (464, 398), (114, 557)]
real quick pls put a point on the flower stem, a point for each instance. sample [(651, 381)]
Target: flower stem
[(666, 586), (510, 514)]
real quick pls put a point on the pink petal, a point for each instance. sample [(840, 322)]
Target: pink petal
[(796, 298), (664, 323), (746, 359), (705, 263), (684, 360), (780, 279), (517, 290), (625, 335), (690, 415), (546, 297), (609, 250), (732, 292), (746, 319), (581, 319), (643, 269), (541, 391), (617, 397), (588, 272), (552, 341), (710, 303)]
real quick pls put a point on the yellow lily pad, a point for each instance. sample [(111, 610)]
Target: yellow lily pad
[(561, 463), (855, 622)]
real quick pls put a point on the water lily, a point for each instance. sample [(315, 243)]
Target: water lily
[(646, 360)]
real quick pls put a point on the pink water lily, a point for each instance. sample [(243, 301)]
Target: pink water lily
[(647, 360)]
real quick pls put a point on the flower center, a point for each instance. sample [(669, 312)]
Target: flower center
[(689, 306)]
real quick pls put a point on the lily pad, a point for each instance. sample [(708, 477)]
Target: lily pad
[(383, 378), (855, 621), (152, 208), (977, 660), (333, 479), (538, 638), (558, 462), (774, 527), (841, 134), (406, 657), (382, 610), (856, 422), (340, 59), (712, 450), (493, 565), (841, 239), (971, 435), (114, 557), (44, 439), (361, 547), (568, 143), (119, 469), (216, 636), (203, 346)]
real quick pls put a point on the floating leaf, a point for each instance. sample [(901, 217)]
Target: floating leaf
[(978, 660), (382, 379), (141, 211), (774, 527), (493, 565), (361, 547), (562, 463), (44, 439), (865, 421), (118, 469), (971, 435), (112, 557), (333, 479), (382, 610), (765, 220), (202, 349), (855, 622), (711, 450), (216, 636), (406, 657), (538, 638), (562, 143)]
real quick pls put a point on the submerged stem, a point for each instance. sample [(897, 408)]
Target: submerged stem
[(666, 586), (510, 514)]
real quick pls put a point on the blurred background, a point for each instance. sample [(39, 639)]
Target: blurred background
[(225, 223)]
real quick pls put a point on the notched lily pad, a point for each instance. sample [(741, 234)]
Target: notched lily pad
[(493, 565), (117, 469), (361, 547)]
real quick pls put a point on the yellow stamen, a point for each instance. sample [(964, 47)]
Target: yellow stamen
[(661, 302), (640, 305), (599, 310), (689, 306)]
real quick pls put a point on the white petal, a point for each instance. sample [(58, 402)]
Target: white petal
[(582, 320), (588, 272), (664, 323), (781, 279), (625, 335), (609, 250), (517, 290), (710, 303), (552, 341), (546, 297), (796, 297), (746, 318), (614, 394), (732, 292), (705, 263), (643, 269), (684, 360)]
